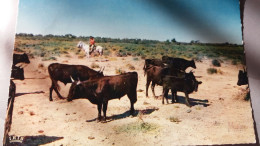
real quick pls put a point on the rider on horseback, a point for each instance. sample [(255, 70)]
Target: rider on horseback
[(92, 45)]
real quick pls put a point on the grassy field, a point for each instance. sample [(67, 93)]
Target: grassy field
[(49, 47)]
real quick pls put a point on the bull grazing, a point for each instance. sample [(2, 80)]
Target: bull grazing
[(242, 78), (178, 63), (155, 75), (186, 84), (100, 90), (152, 62), (63, 72)]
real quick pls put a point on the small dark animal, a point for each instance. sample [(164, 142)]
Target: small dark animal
[(178, 63), (242, 78), (100, 90), (186, 84), (152, 62), (17, 73), (155, 75), (63, 72)]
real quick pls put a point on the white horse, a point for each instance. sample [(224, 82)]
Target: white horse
[(85, 47)]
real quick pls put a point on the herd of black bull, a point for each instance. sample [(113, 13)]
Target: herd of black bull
[(99, 89)]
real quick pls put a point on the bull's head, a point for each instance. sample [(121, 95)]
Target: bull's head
[(197, 85), (190, 76), (74, 90), (192, 64), (25, 58), (165, 59)]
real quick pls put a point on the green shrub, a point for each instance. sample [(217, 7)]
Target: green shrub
[(130, 66), (247, 97), (174, 119), (216, 63), (135, 58), (234, 62), (120, 71), (94, 65), (137, 127), (49, 58), (212, 71)]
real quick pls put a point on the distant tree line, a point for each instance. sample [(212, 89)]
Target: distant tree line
[(69, 37)]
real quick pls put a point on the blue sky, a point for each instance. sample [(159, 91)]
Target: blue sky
[(213, 21)]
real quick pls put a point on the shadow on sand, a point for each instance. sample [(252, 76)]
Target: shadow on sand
[(35, 140), (193, 102), (36, 92), (127, 114)]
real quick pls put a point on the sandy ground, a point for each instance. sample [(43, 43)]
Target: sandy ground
[(219, 114)]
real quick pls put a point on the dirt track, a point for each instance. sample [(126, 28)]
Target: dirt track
[(219, 114)]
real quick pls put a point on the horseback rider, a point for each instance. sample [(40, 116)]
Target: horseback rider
[(92, 44)]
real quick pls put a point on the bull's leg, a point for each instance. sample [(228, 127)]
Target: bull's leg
[(165, 95), (187, 100), (147, 86), (50, 98), (54, 86), (133, 98), (152, 86), (176, 97), (58, 93), (99, 106), (105, 110)]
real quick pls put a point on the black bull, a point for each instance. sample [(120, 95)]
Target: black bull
[(178, 63), (186, 84), (100, 90), (63, 72), (19, 61)]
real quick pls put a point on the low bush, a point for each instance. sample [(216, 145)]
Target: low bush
[(174, 119), (120, 71), (49, 58), (130, 67), (94, 65), (212, 71), (216, 63)]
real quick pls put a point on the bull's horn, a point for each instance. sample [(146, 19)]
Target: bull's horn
[(71, 79), (19, 65), (24, 65), (78, 82)]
